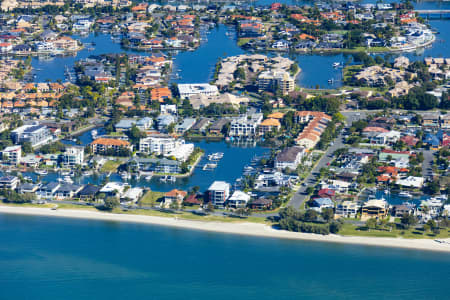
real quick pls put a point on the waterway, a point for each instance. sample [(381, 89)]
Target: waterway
[(53, 258), (198, 66)]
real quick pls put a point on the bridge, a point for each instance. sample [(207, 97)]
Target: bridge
[(442, 13)]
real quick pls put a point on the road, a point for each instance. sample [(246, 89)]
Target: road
[(300, 196), (427, 167)]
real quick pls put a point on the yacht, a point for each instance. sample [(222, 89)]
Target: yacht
[(336, 64), (94, 133), (405, 195), (41, 172), (171, 178), (67, 179), (125, 175)]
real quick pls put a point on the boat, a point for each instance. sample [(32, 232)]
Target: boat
[(163, 179), (125, 175), (148, 178), (336, 64), (405, 195), (65, 173), (28, 178), (209, 167), (330, 80), (41, 172), (94, 133), (215, 156), (171, 178), (86, 173), (67, 179)]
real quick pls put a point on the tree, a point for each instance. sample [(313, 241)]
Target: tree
[(371, 223), (242, 212), (210, 207), (327, 214), (111, 203), (408, 220), (310, 215), (27, 147)]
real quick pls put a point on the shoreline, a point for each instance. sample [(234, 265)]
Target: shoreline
[(247, 229)]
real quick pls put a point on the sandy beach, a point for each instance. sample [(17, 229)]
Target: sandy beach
[(250, 229)]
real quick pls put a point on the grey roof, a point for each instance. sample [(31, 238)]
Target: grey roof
[(289, 154)]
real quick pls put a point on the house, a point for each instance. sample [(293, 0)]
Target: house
[(48, 190), (411, 181), (346, 209), (430, 119), (245, 126), (289, 157), (159, 144), (218, 193), (9, 182), (188, 90), (260, 204), (107, 145), (34, 133), (218, 126), (238, 199), (12, 155), (164, 166), (200, 126), (376, 208), (268, 125), (321, 203), (164, 121), (185, 125), (400, 210), (192, 200), (67, 191), (174, 196), (273, 81), (88, 192), (28, 188), (73, 156), (113, 189), (132, 195)]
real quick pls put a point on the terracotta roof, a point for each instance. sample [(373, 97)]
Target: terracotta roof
[(176, 193), (110, 142)]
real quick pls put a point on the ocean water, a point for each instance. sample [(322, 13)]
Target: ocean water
[(56, 258)]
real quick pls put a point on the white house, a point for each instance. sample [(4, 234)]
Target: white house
[(238, 199), (12, 154)]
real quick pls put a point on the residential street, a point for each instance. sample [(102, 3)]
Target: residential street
[(300, 196)]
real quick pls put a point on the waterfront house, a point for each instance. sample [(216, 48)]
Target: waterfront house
[(260, 204), (321, 203), (88, 192), (218, 193), (376, 208), (67, 191), (48, 190), (289, 157), (164, 121), (238, 199), (245, 126), (34, 133), (113, 189), (346, 209), (400, 210), (157, 165), (268, 125), (72, 156), (9, 182), (185, 125), (132, 195), (174, 196), (217, 127), (192, 200), (12, 155), (28, 188), (200, 126), (104, 145)]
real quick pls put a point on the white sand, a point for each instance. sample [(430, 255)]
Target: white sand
[(252, 229)]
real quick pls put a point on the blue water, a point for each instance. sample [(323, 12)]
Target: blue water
[(53, 258), (229, 168)]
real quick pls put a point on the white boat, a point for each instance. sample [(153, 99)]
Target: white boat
[(148, 178), (41, 172), (28, 178), (67, 179), (65, 173), (86, 173), (209, 167), (171, 178), (163, 179), (94, 133), (125, 175), (405, 195), (336, 64)]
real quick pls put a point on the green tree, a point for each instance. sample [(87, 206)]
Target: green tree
[(371, 223), (111, 203), (408, 220), (327, 214)]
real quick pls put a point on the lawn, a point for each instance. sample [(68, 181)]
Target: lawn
[(110, 166), (352, 230), (150, 198)]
